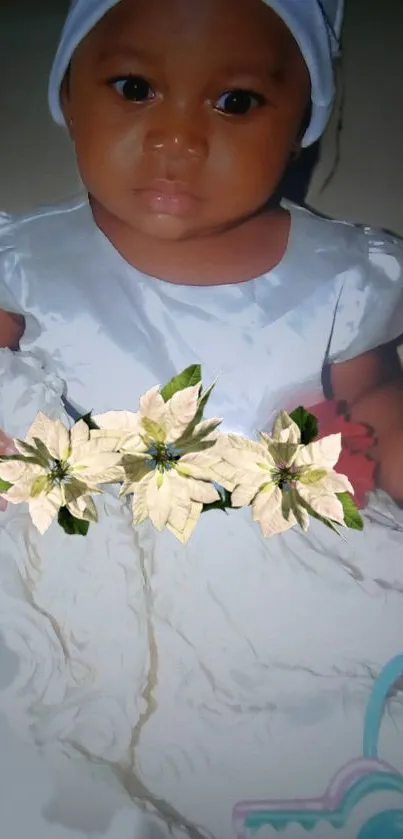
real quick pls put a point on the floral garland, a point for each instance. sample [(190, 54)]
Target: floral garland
[(176, 465)]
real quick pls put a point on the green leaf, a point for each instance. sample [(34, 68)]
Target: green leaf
[(352, 517), (204, 398), (32, 451), (87, 418), (4, 486), (307, 424), (196, 446), (189, 377), (71, 525), (189, 440), (42, 451)]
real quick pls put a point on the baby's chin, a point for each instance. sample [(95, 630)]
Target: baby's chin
[(166, 228)]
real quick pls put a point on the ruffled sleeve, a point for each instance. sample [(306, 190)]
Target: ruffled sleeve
[(369, 310), (9, 266)]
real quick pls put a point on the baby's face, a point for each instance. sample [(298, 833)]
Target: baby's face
[(185, 112)]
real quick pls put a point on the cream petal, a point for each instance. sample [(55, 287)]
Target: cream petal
[(14, 471), (182, 521), (41, 427), (159, 499), (132, 444), (231, 442), (266, 510), (53, 434), (225, 475), (44, 509), (201, 491), (209, 466), (119, 421), (248, 462), (244, 493), (79, 434), (322, 454), (19, 492), (268, 498), (180, 411), (139, 503), (22, 477), (152, 406), (327, 506), (93, 448), (179, 518), (285, 429), (334, 483), (83, 508), (99, 468), (196, 465)]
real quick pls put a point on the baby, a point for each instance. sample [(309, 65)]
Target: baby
[(184, 117), (181, 156)]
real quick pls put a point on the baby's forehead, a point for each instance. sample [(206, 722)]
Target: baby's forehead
[(312, 27), (238, 29)]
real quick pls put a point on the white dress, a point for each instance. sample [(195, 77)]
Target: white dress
[(221, 686)]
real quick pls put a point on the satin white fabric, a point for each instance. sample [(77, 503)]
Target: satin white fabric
[(236, 667)]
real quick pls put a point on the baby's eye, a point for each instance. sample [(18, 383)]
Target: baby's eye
[(133, 88), (239, 102)]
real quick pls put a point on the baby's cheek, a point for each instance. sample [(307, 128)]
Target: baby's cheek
[(389, 455)]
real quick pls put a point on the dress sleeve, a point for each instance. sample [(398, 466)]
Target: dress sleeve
[(369, 310), (9, 266)]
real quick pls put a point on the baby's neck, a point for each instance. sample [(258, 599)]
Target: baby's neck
[(242, 253)]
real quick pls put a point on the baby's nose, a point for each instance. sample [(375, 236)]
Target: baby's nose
[(178, 137)]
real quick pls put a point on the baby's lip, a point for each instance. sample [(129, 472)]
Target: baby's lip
[(166, 197), (169, 187)]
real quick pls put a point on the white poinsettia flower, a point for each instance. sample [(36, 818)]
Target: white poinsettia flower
[(284, 480), (169, 457), (59, 467)]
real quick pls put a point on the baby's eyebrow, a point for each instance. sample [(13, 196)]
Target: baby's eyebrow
[(273, 70), (126, 51)]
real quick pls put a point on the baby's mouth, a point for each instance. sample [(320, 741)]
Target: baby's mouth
[(165, 197)]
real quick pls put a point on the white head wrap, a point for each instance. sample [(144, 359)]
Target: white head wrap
[(315, 25)]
